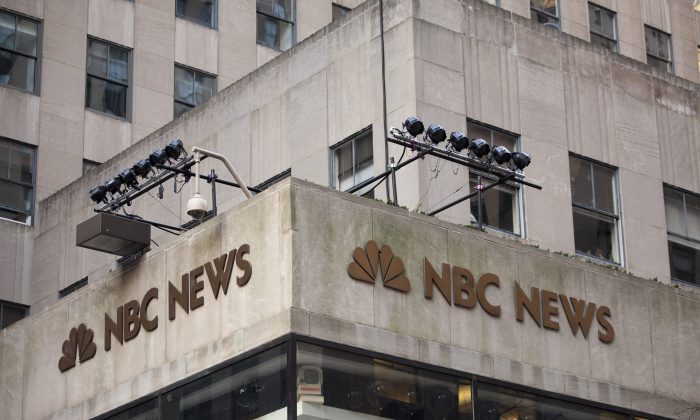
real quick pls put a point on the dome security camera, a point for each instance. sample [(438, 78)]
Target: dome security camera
[(197, 207)]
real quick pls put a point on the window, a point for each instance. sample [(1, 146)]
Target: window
[(500, 205), (603, 26), (659, 53), (595, 208), (17, 166), (351, 162), (73, 287), (276, 23), (683, 224), (192, 88), (200, 11), (11, 312), (19, 39), (107, 88), (339, 11), (545, 12)]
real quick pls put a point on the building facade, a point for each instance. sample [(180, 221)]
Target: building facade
[(603, 96)]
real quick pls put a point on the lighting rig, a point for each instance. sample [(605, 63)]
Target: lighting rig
[(499, 163), (128, 235)]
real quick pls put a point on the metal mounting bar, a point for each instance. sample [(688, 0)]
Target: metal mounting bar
[(462, 160), (230, 168), (206, 177), (156, 224), (146, 186), (500, 180), (365, 183)]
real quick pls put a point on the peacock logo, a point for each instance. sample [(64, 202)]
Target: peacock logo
[(79, 344), (372, 259)]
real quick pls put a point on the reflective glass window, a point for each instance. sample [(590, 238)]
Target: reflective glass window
[(603, 26), (200, 11), (352, 162), (18, 51), (275, 23), (17, 167), (107, 84), (683, 225), (11, 313), (545, 11), (192, 88), (658, 45)]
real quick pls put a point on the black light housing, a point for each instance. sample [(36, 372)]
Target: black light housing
[(142, 168), (414, 126), (113, 185), (479, 147), (458, 140), (500, 155), (520, 160), (436, 133), (128, 177), (174, 149), (113, 234), (98, 193), (158, 157)]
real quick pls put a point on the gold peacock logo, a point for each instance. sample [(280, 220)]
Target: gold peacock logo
[(366, 262), (79, 344)]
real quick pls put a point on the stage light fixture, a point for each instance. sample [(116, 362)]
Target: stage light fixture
[(520, 160), (158, 157), (414, 126), (435, 133), (479, 147), (98, 193), (175, 148), (500, 155), (128, 177), (142, 168), (113, 185), (458, 141)]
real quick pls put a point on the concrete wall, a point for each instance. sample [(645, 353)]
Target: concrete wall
[(302, 238)]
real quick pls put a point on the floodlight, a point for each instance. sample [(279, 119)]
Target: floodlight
[(500, 155), (458, 141), (479, 147), (98, 193), (520, 160), (175, 148), (158, 157), (435, 133), (414, 126), (113, 234), (128, 177), (113, 185), (142, 168)]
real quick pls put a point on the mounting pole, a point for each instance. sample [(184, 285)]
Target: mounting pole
[(228, 166), (392, 167)]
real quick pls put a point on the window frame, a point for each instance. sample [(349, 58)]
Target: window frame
[(214, 16), (129, 75), (350, 139), (685, 237), (37, 64), (517, 143), (292, 22), (30, 214), (616, 217), (669, 63), (4, 303), (556, 17), (616, 32), (194, 74)]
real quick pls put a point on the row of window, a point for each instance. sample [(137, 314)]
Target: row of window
[(604, 32), (594, 198), (332, 381)]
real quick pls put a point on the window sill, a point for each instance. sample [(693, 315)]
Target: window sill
[(197, 22), (105, 114), (2, 219), (274, 48), (18, 89), (599, 261)]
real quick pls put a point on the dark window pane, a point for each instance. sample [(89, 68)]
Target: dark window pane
[(118, 68), (659, 64), (547, 6), (5, 160), (675, 211), (180, 109), (343, 166), (499, 208), (278, 8), (594, 234), (106, 97), (14, 215), (581, 182), (692, 212), (198, 10), (685, 260), (274, 33), (604, 42), (246, 390), (145, 411), (12, 314), (97, 58), (27, 32), (21, 164), (601, 21), (7, 30), (17, 70), (203, 88), (15, 196), (603, 178), (184, 85)]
